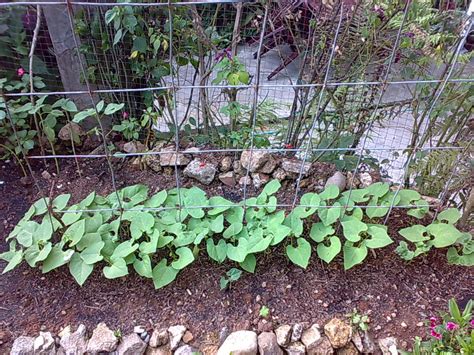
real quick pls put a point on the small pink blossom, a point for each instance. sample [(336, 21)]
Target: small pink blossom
[(125, 114), (451, 326), (472, 322), (435, 334), (433, 321), (20, 71)]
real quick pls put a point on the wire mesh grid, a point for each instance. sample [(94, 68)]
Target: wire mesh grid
[(277, 44)]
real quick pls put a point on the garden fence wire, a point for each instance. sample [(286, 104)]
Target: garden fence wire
[(239, 29)]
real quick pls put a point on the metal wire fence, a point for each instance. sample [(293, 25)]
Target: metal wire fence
[(259, 29)]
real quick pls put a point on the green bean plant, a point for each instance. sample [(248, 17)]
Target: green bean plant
[(130, 229)]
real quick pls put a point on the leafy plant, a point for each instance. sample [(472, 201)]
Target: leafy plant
[(264, 311), (130, 229), (358, 320), (450, 333)]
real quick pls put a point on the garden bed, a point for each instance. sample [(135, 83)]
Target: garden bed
[(396, 295)]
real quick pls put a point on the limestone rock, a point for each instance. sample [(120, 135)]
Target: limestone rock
[(73, 343), (44, 344), (186, 350), (242, 342), (153, 160), (103, 340), (311, 337), (162, 350), (134, 147), (201, 171), (365, 180), (349, 349), (23, 346), (296, 348), (259, 179), (388, 346), (337, 179), (176, 333), (253, 160), (238, 169), (280, 174), (226, 164), (270, 165), (322, 347), (245, 180), (294, 166), (228, 178), (71, 127), (283, 335), (159, 337), (131, 344), (296, 333), (169, 157), (188, 337), (338, 332), (267, 344)]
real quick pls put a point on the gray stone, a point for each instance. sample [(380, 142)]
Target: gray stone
[(131, 345), (226, 164), (103, 340), (23, 346), (159, 337), (242, 342), (259, 179), (46, 175), (238, 169), (245, 180), (162, 350), (44, 344), (270, 165), (253, 160), (201, 171), (311, 337), (322, 347), (280, 174), (337, 179), (153, 160), (176, 333), (267, 344), (388, 346), (295, 348), (169, 157), (72, 127), (73, 343), (365, 180), (223, 334), (228, 178), (294, 166), (186, 350), (134, 147), (338, 332), (297, 332), (283, 334), (349, 349)]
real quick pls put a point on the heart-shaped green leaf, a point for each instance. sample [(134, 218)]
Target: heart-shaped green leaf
[(163, 274), (143, 266), (91, 254), (79, 269), (444, 234), (353, 228), (451, 216), (156, 200), (233, 230), (118, 268), (319, 231), (299, 255), (353, 255), (271, 187), (186, 257), (75, 232), (329, 252), (238, 252), (249, 263), (56, 258), (414, 234), (217, 252), (379, 237), (329, 215)]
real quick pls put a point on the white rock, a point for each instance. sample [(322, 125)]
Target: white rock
[(388, 346), (337, 179), (138, 329), (365, 180), (23, 346), (294, 166), (253, 160), (201, 171), (134, 147), (226, 164), (131, 345), (186, 350), (159, 337), (44, 344), (242, 342), (103, 340), (170, 158), (73, 343), (176, 333), (267, 344), (283, 334), (311, 337), (296, 333)]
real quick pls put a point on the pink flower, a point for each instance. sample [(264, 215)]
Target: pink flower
[(435, 334), (451, 326), (125, 115), (20, 71), (472, 322), (433, 322)]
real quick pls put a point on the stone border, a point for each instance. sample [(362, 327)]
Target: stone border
[(336, 337)]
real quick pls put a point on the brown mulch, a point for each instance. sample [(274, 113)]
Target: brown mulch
[(383, 286)]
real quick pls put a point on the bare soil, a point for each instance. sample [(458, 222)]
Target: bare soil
[(390, 290)]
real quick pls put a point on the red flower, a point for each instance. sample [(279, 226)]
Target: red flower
[(202, 164), (125, 115), (435, 334), (451, 326), (20, 71)]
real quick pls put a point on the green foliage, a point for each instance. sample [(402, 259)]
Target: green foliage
[(359, 321), (450, 333), (264, 311), (158, 240)]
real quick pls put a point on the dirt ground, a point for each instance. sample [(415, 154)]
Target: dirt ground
[(397, 295)]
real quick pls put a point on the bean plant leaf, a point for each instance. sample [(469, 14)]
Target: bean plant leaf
[(451, 216), (56, 258), (329, 215), (271, 187), (118, 268), (141, 222), (75, 232), (15, 260), (91, 254), (249, 263), (420, 211), (414, 234), (69, 217), (319, 231), (353, 255), (329, 252), (330, 193), (239, 252), (408, 197), (378, 189), (112, 108), (217, 224), (221, 205), (25, 235), (35, 253), (217, 252), (156, 200), (143, 266), (79, 269), (186, 257), (379, 237), (353, 228), (233, 230), (163, 274), (300, 254), (444, 234), (60, 202)]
